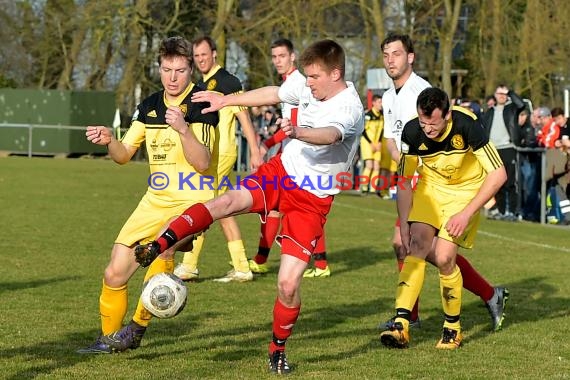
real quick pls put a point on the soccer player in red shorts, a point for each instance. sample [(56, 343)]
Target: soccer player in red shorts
[(300, 182), (283, 58)]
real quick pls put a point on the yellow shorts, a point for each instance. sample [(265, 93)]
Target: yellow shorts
[(225, 168), (386, 161), (434, 207), (146, 221), (366, 152)]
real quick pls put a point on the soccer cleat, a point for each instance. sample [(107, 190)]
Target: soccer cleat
[(235, 276), (396, 336), (99, 347), (317, 272), (129, 337), (185, 273), (415, 324), (146, 253), (450, 339), (496, 306), (278, 363), (257, 268)]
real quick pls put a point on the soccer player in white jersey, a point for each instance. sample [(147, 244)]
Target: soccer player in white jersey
[(283, 58), (301, 182), (399, 104)]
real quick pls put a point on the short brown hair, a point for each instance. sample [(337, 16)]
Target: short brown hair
[(327, 53), (175, 47)]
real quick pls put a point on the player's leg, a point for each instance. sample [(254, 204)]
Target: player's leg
[(410, 282), (304, 216), (240, 271), (268, 231), (415, 321), (321, 269), (495, 298), (451, 284)]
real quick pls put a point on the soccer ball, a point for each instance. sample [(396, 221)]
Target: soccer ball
[(164, 295)]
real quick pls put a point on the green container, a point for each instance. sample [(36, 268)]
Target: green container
[(50, 113)]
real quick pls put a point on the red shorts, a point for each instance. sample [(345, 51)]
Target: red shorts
[(304, 214)]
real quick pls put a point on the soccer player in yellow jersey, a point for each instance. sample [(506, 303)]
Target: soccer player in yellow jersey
[(460, 171), (179, 143), (215, 78), (371, 143)]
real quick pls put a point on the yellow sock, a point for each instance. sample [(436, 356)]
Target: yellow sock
[(142, 316), (237, 252), (450, 287), (410, 282), (112, 307), (191, 258)]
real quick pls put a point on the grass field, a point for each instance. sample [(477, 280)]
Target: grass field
[(59, 220)]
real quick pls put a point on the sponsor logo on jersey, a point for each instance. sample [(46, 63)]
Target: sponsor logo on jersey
[(457, 142), (153, 145), (211, 84), (167, 144), (423, 147), (151, 113), (405, 147)]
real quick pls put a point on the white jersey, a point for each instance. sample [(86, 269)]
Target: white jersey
[(319, 168), (294, 78), (289, 111), (399, 108)]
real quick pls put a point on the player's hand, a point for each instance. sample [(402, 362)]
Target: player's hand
[(457, 224), (289, 129), (375, 147), (99, 135), (175, 118), (405, 236), (214, 98), (256, 160)]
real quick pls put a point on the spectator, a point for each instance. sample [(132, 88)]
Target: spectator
[(529, 168), (550, 131), (502, 129)]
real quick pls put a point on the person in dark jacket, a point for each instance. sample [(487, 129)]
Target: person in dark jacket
[(501, 126)]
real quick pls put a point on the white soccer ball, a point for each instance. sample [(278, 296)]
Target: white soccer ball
[(164, 295)]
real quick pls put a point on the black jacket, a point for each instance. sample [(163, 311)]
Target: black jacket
[(511, 117)]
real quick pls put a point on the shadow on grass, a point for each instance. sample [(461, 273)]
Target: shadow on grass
[(31, 284)]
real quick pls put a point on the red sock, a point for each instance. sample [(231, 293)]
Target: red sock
[(416, 309), (268, 231), (195, 219), (320, 254), (284, 319), (473, 281)]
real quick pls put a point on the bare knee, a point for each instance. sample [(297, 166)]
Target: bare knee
[(287, 290)]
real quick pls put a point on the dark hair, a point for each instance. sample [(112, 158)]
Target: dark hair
[(432, 98), (207, 39), (327, 53), (556, 111), (175, 47), (376, 96), (403, 38), (283, 42)]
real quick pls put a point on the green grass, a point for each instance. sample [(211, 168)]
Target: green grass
[(59, 220)]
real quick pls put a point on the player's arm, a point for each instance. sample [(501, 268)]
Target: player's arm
[(256, 159), (316, 136), (264, 96), (195, 152), (495, 178), (406, 169), (393, 149), (119, 152)]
